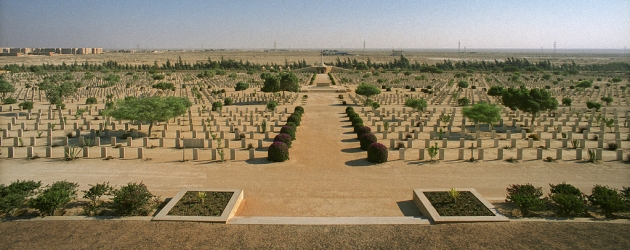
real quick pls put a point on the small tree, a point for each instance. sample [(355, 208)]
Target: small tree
[(6, 87), (463, 101), (367, 90), (217, 106), (418, 104), (241, 86), (593, 105), (27, 105), (152, 109), (271, 85), (462, 84), (566, 101), (608, 100), (495, 91), (532, 101), (91, 100), (289, 82), (483, 112), (271, 105)]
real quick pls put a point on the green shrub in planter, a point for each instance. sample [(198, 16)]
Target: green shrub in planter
[(608, 200), (377, 153), (567, 200), (132, 199), (288, 130), (278, 152), (526, 197), (356, 120), (366, 140), (13, 197), (295, 119), (356, 127), (54, 197), (363, 130), (282, 137)]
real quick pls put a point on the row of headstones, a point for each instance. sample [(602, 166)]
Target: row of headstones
[(177, 142), (86, 152), (408, 142), (500, 155)]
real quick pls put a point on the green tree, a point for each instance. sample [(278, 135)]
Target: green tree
[(272, 84), (27, 105), (483, 113), (532, 101), (152, 109), (6, 87), (367, 90), (566, 101), (91, 100), (418, 104), (57, 93), (462, 84), (495, 91), (241, 86), (289, 82), (608, 100), (164, 86), (593, 105)]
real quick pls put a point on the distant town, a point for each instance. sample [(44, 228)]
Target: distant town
[(50, 51)]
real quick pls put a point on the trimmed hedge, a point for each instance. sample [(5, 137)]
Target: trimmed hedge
[(278, 152), (282, 137), (356, 120), (363, 130), (357, 127), (295, 119), (291, 124), (298, 108), (366, 140), (288, 130), (377, 153), (348, 109)]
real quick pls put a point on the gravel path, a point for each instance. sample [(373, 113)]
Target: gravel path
[(177, 235)]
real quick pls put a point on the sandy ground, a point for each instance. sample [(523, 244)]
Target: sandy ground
[(327, 174), (177, 235)]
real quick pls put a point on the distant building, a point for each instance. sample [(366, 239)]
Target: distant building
[(397, 53), (50, 51)]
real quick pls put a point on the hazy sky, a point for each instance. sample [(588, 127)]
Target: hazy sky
[(330, 24)]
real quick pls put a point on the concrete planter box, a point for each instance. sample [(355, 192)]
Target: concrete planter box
[(228, 212), (429, 211)]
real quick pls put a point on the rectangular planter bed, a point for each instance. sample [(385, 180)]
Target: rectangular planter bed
[(183, 207), (428, 210)]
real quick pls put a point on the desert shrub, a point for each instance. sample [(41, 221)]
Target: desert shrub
[(612, 146), (292, 124), (94, 194), (13, 197), (377, 153), (356, 127), (278, 152), (91, 100), (567, 200), (216, 106), (9, 100), (54, 197), (366, 140), (228, 101), (608, 200), (356, 120), (463, 101), (363, 130), (132, 199), (288, 130), (282, 137), (526, 197), (295, 119), (27, 105), (534, 136), (299, 108), (593, 105)]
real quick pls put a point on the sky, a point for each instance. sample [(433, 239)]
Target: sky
[(317, 24)]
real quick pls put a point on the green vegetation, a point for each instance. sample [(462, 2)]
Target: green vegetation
[(149, 109)]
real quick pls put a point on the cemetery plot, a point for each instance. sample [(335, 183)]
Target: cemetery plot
[(470, 206)]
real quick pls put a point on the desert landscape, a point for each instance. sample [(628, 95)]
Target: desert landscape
[(327, 174)]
